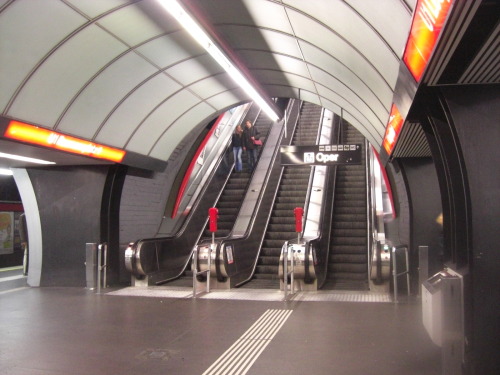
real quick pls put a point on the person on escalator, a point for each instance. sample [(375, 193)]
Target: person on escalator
[(237, 143), (250, 134)]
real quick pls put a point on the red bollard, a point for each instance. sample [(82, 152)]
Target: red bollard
[(213, 215), (299, 213)]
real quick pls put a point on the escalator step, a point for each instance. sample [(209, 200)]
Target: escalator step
[(350, 224), (348, 249), (349, 241), (349, 258), (276, 243), (290, 220), (281, 235), (347, 275), (267, 269), (349, 232), (351, 211), (271, 251), (268, 261)]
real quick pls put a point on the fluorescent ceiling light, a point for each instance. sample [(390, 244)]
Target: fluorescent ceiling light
[(5, 172), (24, 158), (192, 27)]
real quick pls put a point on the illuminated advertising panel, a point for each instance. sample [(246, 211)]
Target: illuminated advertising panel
[(428, 21), (47, 138), (393, 129)]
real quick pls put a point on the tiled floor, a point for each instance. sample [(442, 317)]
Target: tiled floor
[(55, 331)]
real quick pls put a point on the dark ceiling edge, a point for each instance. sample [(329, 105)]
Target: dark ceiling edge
[(134, 159)]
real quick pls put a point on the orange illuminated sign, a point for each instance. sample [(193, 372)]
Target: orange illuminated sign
[(428, 21), (393, 129), (47, 138)]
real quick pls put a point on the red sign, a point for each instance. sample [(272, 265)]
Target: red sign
[(213, 216), (298, 212), (393, 129), (48, 138), (428, 21)]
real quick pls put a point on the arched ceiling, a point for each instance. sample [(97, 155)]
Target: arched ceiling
[(124, 74)]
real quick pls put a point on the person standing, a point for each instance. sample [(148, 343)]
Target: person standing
[(250, 134), (237, 143)]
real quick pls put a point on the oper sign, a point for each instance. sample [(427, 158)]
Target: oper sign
[(321, 154)]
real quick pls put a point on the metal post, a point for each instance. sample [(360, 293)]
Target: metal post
[(394, 277), (395, 273), (407, 272), (99, 261), (195, 269), (286, 122), (285, 270), (105, 266), (292, 271)]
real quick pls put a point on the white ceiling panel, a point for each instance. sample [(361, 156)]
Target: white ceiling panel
[(250, 38), (133, 24), (29, 29), (285, 79), (195, 69), (336, 46), (366, 101), (170, 49), (135, 108), (309, 96), (95, 8), (93, 105), (347, 98), (168, 141), (259, 11), (349, 73), (363, 127), (378, 95), (213, 85), (74, 63), (226, 99), (352, 29), (350, 108), (376, 13), (274, 61), (144, 138)]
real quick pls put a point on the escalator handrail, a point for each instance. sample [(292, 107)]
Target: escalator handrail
[(272, 163), (253, 214), (184, 230), (324, 220)]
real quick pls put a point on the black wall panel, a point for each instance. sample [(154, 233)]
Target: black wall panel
[(425, 202), (475, 113), (69, 201)]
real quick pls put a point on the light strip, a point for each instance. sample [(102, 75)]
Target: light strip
[(5, 172), (24, 158), (192, 27), (47, 138)]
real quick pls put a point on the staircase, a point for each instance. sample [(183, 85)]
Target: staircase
[(348, 262), (291, 193)]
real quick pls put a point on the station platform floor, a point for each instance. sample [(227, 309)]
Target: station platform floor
[(56, 331)]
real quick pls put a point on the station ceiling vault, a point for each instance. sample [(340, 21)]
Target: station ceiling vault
[(125, 74)]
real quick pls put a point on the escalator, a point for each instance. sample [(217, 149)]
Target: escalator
[(348, 259), (291, 193), (232, 196)]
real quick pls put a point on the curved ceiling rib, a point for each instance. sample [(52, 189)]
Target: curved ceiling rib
[(124, 74)]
